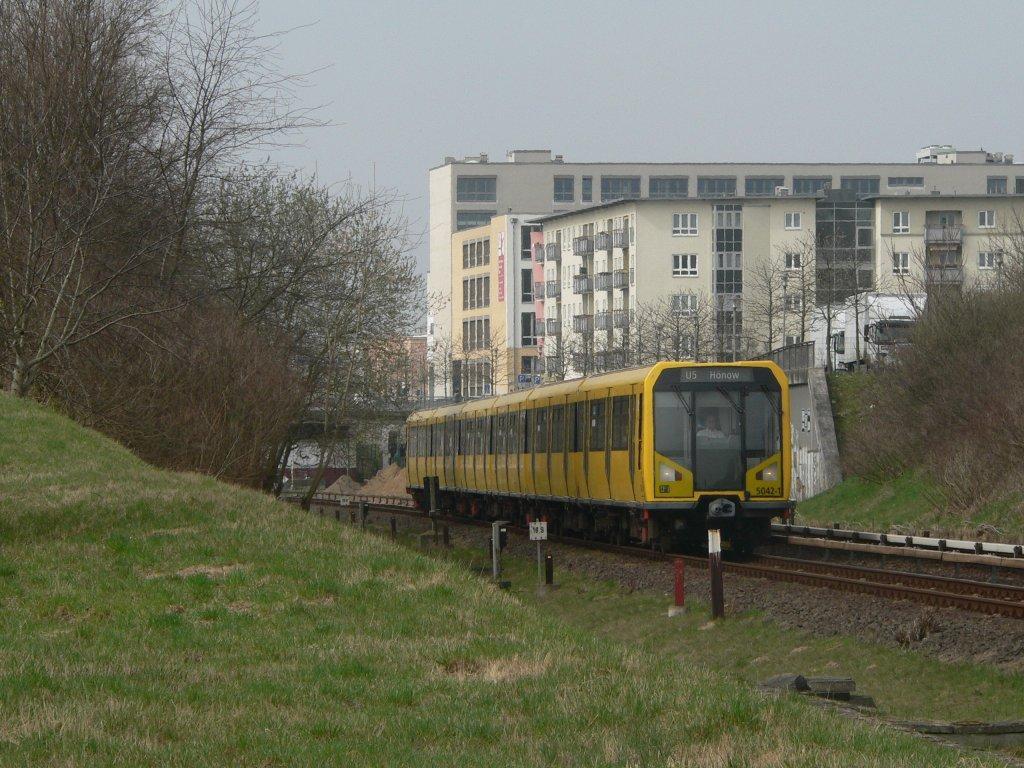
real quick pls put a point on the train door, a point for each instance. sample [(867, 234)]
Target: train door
[(449, 451), (541, 476), (556, 450), (620, 442), (576, 434), (527, 421), (514, 446), (597, 443), (636, 460)]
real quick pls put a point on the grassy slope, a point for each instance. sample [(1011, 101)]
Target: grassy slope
[(749, 647), (910, 501), (151, 618)]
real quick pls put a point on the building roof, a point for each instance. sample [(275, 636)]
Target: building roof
[(677, 200)]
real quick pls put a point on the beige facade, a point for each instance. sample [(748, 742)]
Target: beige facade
[(467, 193), (492, 280), (618, 263), (957, 239)]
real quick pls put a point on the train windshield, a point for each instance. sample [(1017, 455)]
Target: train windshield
[(717, 430)]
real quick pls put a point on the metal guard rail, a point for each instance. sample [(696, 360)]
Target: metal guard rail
[(891, 539)]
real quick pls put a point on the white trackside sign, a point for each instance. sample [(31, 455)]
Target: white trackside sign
[(539, 531)]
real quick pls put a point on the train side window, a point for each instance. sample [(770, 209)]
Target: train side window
[(525, 427), (620, 423), (481, 435), (557, 428), (597, 425), (541, 443), (579, 425)]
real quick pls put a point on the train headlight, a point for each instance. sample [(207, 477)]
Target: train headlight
[(770, 474), (667, 474)]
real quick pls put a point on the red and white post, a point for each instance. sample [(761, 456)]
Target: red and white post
[(715, 571)]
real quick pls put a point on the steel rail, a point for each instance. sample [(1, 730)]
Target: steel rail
[(938, 591)]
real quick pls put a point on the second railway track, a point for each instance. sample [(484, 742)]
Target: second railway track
[(939, 591)]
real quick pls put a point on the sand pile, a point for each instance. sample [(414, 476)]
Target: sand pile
[(344, 486), (390, 481)]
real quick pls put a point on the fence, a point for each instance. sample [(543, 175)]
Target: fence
[(796, 360)]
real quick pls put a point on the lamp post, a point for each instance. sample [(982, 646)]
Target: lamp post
[(785, 304)]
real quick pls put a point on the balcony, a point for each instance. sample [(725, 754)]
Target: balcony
[(538, 291), (554, 289), (940, 235), (603, 321), (620, 318), (553, 326), (583, 323), (603, 241), (620, 238), (553, 251), (603, 281), (944, 275), (581, 362), (538, 252), (620, 278), (583, 246), (610, 360), (582, 284)]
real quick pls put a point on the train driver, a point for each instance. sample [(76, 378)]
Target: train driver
[(712, 427)]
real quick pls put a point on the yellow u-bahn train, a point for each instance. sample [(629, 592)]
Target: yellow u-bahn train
[(654, 455)]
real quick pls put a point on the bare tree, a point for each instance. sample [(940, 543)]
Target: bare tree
[(765, 309)]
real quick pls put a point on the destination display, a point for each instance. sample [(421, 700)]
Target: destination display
[(707, 375)]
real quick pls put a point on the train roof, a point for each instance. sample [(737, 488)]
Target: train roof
[(570, 387)]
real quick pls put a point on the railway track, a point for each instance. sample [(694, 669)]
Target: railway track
[(939, 591)]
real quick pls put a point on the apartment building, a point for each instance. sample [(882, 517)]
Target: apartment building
[(493, 343), (468, 193), (752, 273)]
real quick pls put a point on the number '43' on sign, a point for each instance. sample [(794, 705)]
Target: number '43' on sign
[(538, 531)]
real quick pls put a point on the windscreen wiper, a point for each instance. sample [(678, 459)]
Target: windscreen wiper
[(725, 393), (686, 405), (778, 405)]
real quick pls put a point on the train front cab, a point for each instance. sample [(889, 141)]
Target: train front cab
[(720, 453)]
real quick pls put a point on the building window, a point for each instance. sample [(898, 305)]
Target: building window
[(470, 219), (619, 188), (587, 189), (526, 241), (763, 186), (685, 303), (906, 181), (684, 265), (986, 219), (793, 261), (476, 189), (684, 224), (900, 222), (997, 185), (565, 191), (668, 187), (529, 336), (811, 185), (792, 221), (476, 292), (526, 275), (862, 185), (989, 259), (716, 186), (901, 263), (476, 253), (794, 303), (1018, 186), (792, 340), (476, 334)]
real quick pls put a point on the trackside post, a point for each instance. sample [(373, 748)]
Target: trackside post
[(715, 570)]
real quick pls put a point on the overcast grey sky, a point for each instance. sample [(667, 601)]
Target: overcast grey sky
[(406, 83)]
